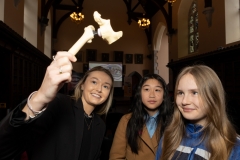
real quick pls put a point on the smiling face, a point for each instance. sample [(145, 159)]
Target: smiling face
[(152, 95), (189, 101), (96, 89)]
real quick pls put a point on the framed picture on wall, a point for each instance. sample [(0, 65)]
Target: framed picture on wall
[(138, 58), (85, 67), (79, 56), (105, 57), (118, 56), (128, 58), (91, 55)]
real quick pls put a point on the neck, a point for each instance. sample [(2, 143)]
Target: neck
[(151, 112), (88, 109)]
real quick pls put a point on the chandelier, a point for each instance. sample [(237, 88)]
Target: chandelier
[(77, 17), (171, 1), (144, 23)]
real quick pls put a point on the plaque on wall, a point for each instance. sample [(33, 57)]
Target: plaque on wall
[(128, 58), (91, 55), (138, 58), (118, 56)]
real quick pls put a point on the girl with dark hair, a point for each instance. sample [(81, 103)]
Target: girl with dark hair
[(200, 129), (138, 133), (53, 126)]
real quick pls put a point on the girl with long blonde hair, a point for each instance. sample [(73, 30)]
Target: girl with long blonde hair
[(200, 128)]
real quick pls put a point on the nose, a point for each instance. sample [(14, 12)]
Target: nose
[(152, 94), (185, 99), (99, 88)]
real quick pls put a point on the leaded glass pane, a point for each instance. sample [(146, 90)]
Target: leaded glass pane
[(196, 21), (193, 28), (197, 40), (194, 9)]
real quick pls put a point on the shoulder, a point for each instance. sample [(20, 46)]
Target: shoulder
[(124, 120), (235, 154), (238, 142), (126, 117)]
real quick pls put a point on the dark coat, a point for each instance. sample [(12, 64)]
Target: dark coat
[(56, 134)]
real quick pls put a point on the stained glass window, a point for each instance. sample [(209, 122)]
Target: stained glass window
[(193, 28)]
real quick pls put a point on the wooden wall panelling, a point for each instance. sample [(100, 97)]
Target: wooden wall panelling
[(24, 67)]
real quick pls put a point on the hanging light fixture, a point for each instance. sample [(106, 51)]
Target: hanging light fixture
[(171, 1), (77, 16), (144, 23)]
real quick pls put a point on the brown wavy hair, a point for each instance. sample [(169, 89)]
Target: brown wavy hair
[(104, 107), (218, 132)]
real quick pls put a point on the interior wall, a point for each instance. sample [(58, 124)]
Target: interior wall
[(2, 5), (232, 22), (13, 16), (211, 37), (133, 41), (30, 30)]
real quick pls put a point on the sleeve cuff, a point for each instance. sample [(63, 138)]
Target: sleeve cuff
[(18, 117)]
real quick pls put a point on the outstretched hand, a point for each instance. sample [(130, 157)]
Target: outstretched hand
[(57, 73)]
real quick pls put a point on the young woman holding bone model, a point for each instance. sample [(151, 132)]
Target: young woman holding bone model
[(200, 129), (51, 126), (139, 132)]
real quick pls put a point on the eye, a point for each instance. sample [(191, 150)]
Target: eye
[(158, 90), (94, 82), (194, 92), (145, 89), (107, 87), (179, 93)]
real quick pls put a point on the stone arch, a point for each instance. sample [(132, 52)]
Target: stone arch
[(161, 51)]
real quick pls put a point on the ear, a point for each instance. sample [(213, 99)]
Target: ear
[(82, 88)]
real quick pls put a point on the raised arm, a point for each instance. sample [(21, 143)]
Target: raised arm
[(57, 73)]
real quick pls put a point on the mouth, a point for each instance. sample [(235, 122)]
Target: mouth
[(151, 102), (96, 95), (188, 109)]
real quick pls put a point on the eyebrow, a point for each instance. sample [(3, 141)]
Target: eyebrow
[(188, 90), (149, 85), (98, 79)]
